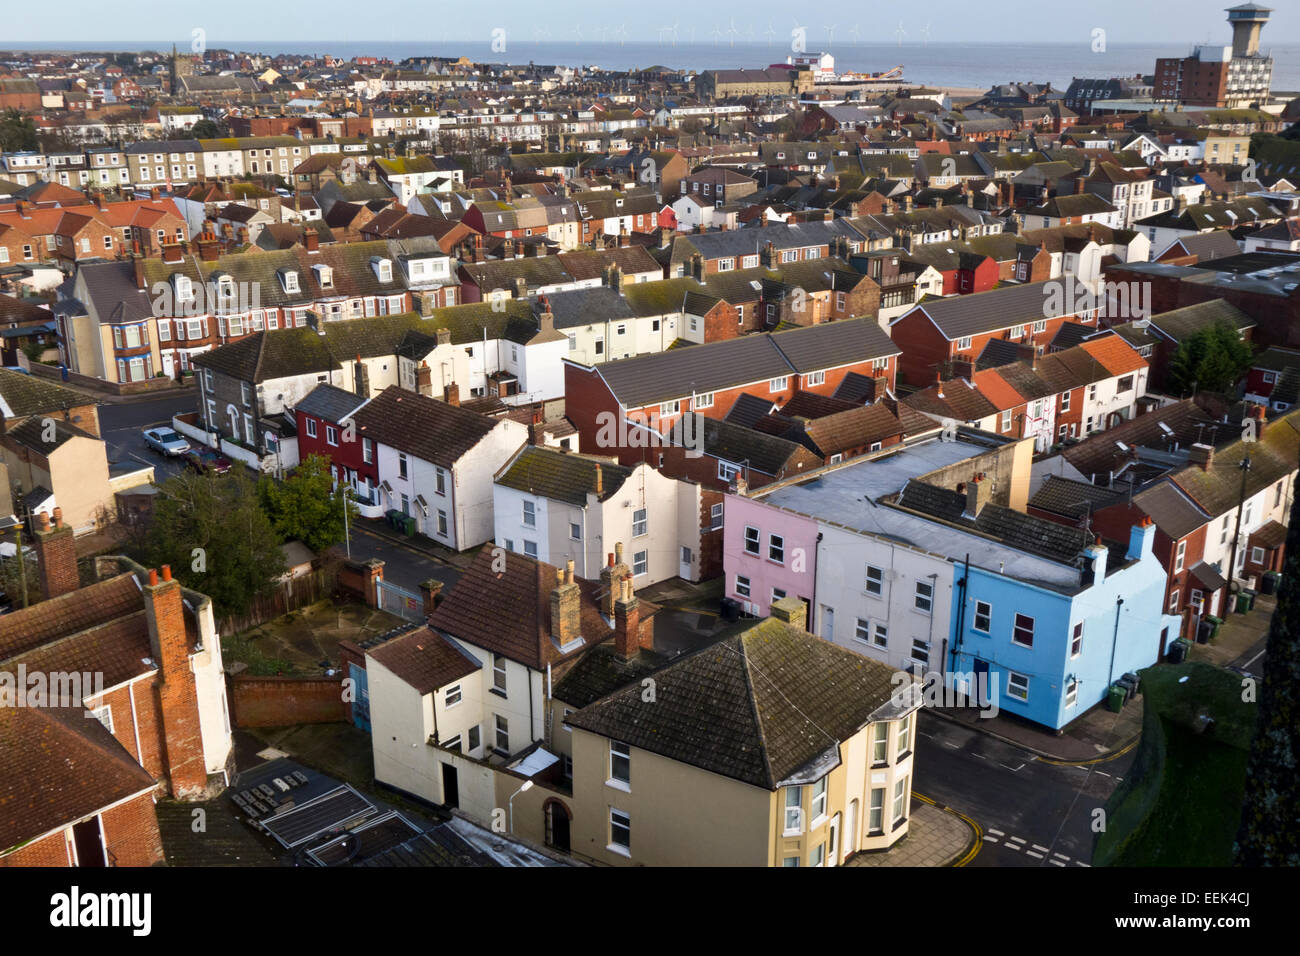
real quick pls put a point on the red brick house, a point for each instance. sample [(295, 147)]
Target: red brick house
[(322, 418)]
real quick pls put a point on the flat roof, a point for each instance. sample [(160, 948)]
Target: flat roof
[(847, 496)]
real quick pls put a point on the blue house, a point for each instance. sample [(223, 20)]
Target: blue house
[(1049, 654)]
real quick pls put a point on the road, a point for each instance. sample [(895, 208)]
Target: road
[(1031, 812), (404, 566), (120, 425)]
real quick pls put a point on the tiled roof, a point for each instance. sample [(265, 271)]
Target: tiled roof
[(758, 706), (1072, 499), (856, 428), (767, 454), (563, 476), (747, 409), (23, 395), (424, 427), (59, 767), (1173, 512), (1186, 421), (329, 402), (1182, 323), (960, 316), (602, 671), (426, 660), (1273, 456)]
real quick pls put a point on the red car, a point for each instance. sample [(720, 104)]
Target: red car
[(205, 460)]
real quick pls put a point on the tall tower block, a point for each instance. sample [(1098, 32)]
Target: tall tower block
[(1247, 20)]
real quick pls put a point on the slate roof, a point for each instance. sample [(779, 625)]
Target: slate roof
[(1016, 529), (329, 403), (431, 430), (858, 427), (747, 409), (1173, 512), (767, 454), (563, 476), (1188, 423), (649, 379), (757, 706), (426, 660), (602, 671), (1072, 499), (596, 305), (1273, 456), (1183, 323), (960, 316)]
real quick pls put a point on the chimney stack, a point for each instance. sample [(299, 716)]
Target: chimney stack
[(792, 610), (1201, 454), (177, 699), (361, 378), (424, 380), (451, 394), (310, 239), (627, 621), (978, 491), (610, 575), (566, 608), (56, 556)]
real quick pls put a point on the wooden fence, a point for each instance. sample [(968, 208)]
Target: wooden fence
[(292, 595)]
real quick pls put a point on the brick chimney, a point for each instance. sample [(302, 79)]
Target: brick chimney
[(610, 575), (172, 252), (432, 592), (451, 394), (627, 621), (1201, 454), (361, 378), (138, 263), (566, 607), (443, 336), (424, 380), (978, 491), (177, 699), (792, 610), (209, 248), (56, 556), (310, 239)]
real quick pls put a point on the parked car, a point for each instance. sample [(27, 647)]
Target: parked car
[(165, 442), (204, 460)]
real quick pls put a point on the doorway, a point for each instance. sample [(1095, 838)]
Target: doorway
[(450, 786), (557, 826), (89, 840)]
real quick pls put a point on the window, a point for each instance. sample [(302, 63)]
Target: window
[(880, 744), (876, 819), (401, 465), (331, 435), (1006, 421), (790, 862), (641, 563), (452, 696), (1076, 640), (1256, 555), (924, 596), (880, 637), (1178, 558), (921, 651), (704, 401), (776, 548), (900, 800), (620, 762), (794, 809), (863, 630), (983, 616), (1017, 686), (875, 579), (442, 523), (620, 830), (715, 517), (727, 471), (1024, 631), (817, 810), (1125, 384), (815, 378), (499, 673), (367, 450), (503, 734), (440, 481), (742, 585), (1071, 693), (903, 739), (1065, 401), (779, 384), (640, 523), (575, 531), (530, 514), (311, 428)]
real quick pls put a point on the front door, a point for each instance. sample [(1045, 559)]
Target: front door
[(685, 572), (828, 623), (450, 786), (558, 818)]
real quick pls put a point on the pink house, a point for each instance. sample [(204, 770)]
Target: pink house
[(767, 553)]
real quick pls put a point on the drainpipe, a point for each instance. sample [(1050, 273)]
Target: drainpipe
[(1110, 674), (961, 613)]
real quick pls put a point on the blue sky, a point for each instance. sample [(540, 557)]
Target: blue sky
[(1124, 21)]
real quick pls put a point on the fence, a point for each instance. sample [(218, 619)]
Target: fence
[(292, 595)]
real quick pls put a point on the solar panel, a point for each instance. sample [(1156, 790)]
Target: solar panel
[(337, 808)]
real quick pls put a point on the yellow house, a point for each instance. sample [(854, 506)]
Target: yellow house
[(768, 748)]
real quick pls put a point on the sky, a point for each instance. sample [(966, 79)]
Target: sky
[(227, 21)]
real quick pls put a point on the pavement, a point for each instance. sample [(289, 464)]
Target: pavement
[(935, 837), (1097, 733), (1242, 639), (121, 424)]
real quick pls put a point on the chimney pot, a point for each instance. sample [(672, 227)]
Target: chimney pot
[(166, 572), (153, 577)]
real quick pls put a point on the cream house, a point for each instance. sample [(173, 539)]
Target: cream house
[(768, 748), (559, 506)]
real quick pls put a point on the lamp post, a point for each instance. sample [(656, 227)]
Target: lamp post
[(528, 785), (1244, 465)]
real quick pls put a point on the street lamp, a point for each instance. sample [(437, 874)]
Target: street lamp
[(528, 785)]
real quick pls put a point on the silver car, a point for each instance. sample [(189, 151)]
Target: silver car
[(165, 442)]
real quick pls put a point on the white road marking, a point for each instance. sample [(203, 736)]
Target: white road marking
[(1036, 856), (991, 839), (1017, 839), (1011, 846), (1013, 769), (1081, 863), (1062, 856), (1255, 658), (1037, 847), (980, 757), (996, 832), (1102, 773), (1057, 863)]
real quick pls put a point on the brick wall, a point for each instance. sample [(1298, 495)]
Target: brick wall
[(281, 701), (130, 833), (177, 695)]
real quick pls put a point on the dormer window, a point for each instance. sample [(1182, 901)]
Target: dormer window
[(324, 276), (383, 268), (184, 288), (289, 279)]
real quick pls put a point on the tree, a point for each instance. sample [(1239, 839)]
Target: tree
[(1212, 360), (1270, 823), (206, 129), (213, 532), (17, 132), (306, 506)]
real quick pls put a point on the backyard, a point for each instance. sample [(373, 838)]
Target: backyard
[(305, 642)]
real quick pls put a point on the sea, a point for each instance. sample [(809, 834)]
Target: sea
[(963, 65)]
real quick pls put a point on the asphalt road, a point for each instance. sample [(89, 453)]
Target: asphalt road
[(1031, 812), (404, 566), (121, 425)]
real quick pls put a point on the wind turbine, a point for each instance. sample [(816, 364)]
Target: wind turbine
[(770, 34), (925, 34), (717, 32), (732, 31), (621, 33), (854, 33), (900, 33), (830, 35)]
